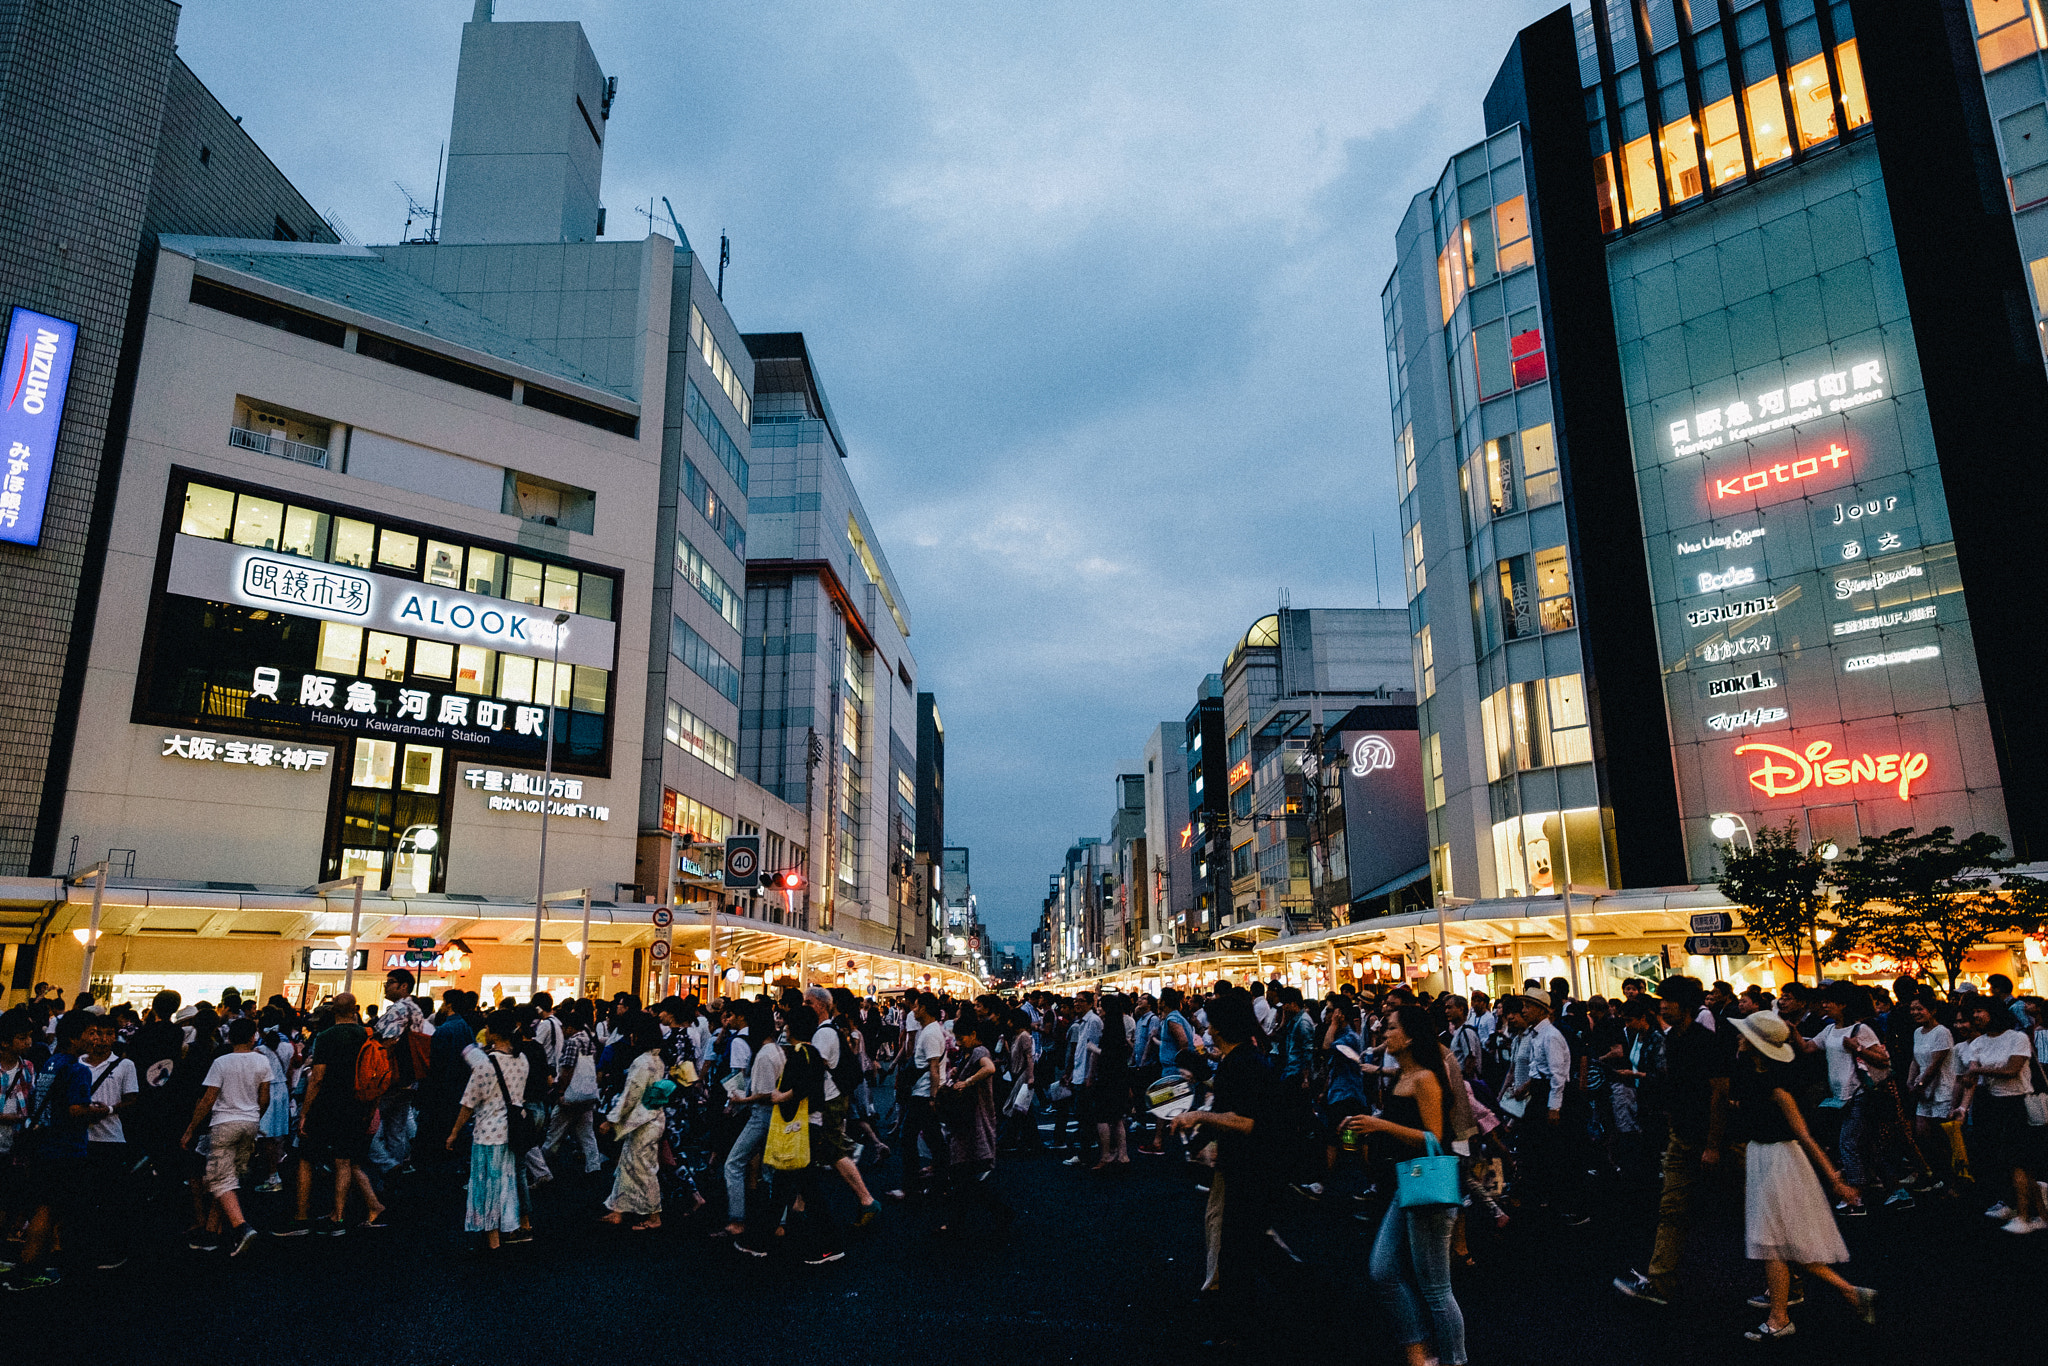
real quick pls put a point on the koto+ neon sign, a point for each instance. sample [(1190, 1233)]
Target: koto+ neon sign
[(1782, 772), (1783, 472)]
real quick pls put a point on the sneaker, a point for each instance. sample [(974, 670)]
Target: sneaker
[(1899, 1199), (297, 1228), (1073, 1161), (1639, 1287), (1576, 1220), (241, 1238), (329, 1228), (2018, 1225), (1763, 1301), (750, 1251), (2000, 1211), (204, 1243), (1849, 1211), (33, 1278), (823, 1258), (113, 1265), (1308, 1190), (1866, 1305), (1763, 1332), (275, 1183)]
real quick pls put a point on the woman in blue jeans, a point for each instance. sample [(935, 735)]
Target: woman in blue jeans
[(1411, 1258)]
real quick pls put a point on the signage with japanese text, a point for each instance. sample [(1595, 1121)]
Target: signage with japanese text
[(527, 791), (252, 753), (35, 373)]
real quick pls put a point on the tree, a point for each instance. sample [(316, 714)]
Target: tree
[(1782, 890), (1933, 898)]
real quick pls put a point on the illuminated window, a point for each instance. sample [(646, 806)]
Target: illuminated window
[(1769, 139), (1511, 229), (1554, 589), (341, 648), (1517, 599), (208, 512), (1525, 355), (1499, 481), (2007, 30), (1425, 661), (1418, 575), (1405, 445), (1570, 741), (1813, 101), (1681, 160), (1440, 868), (1607, 193), (384, 656), (1433, 772), (1450, 274), (258, 521), (1849, 67), (1724, 142), (1480, 260), (1539, 467), (1639, 169)]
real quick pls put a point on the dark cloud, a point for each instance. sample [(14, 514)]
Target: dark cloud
[(1095, 290)]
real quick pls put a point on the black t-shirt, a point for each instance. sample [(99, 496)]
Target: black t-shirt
[(336, 1050), (1753, 1092), (1244, 1085), (1693, 1058), (155, 1049)]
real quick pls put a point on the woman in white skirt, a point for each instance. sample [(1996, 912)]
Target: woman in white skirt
[(497, 1074), (1788, 1218)]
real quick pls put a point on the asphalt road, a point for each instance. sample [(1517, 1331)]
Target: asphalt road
[(1095, 1268)]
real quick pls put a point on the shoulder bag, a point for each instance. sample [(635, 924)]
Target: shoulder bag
[(1431, 1179), (519, 1134)]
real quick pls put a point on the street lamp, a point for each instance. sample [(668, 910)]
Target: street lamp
[(1726, 825), (90, 938), (540, 890), (355, 925)]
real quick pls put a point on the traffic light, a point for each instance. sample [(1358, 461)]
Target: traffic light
[(788, 880)]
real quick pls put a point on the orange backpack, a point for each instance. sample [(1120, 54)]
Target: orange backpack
[(373, 1072)]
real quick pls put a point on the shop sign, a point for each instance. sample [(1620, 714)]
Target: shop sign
[(1716, 945), (1746, 718), (1711, 922), (34, 376), (1733, 611), (1721, 651), (1726, 540), (1782, 772), (1862, 663), (384, 709), (220, 571), (336, 960), (1371, 754), (527, 792), (207, 750), (1884, 621), (1756, 680), (1782, 472), (1777, 409), (1241, 771)]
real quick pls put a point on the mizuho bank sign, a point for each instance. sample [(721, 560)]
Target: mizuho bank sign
[(219, 571)]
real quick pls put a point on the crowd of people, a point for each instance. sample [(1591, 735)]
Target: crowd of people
[(1444, 1119)]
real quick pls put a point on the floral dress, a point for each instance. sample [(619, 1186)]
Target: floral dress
[(494, 1191), (636, 1187)]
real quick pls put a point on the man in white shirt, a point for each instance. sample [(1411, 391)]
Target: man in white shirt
[(765, 1072), (920, 1119), (1545, 1131), (114, 1086), (1261, 1011), (830, 1043), (232, 1105)]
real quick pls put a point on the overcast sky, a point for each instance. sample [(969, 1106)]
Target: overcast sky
[(1094, 289)]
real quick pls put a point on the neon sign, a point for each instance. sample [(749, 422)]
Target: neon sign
[(1782, 772), (1371, 754), (1834, 392), (1187, 834), (1240, 771), (1783, 472)]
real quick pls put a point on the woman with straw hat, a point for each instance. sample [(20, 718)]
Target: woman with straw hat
[(1787, 1218)]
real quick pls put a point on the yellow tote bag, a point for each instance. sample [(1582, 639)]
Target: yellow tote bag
[(789, 1140)]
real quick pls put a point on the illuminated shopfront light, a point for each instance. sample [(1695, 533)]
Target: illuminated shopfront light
[(1723, 827), (574, 946)]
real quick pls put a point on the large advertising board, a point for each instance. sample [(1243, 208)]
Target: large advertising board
[(35, 374), (1818, 661)]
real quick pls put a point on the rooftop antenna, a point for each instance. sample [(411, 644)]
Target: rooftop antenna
[(724, 255), (682, 238), (414, 210), (1377, 600), (440, 158)]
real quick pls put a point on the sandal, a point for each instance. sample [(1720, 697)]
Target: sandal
[(1763, 1332)]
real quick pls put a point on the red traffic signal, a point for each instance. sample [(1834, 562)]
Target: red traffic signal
[(788, 880)]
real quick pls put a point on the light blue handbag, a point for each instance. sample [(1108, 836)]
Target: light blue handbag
[(1431, 1179)]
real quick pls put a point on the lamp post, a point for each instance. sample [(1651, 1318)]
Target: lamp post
[(98, 874), (540, 890), (355, 925), (1726, 825)]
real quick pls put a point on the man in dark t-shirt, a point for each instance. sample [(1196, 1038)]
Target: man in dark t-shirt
[(1246, 1101), (1696, 1069), (334, 1125)]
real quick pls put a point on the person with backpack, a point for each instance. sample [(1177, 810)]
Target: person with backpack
[(841, 1060), (343, 1086), (575, 1088), (396, 1025), (494, 1104), (54, 1147), (635, 1120)]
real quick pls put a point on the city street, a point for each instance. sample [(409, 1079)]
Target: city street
[(1099, 1269)]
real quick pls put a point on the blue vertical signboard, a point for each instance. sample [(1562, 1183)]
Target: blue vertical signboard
[(34, 374)]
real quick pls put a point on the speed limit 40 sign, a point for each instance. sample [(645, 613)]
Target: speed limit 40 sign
[(742, 863)]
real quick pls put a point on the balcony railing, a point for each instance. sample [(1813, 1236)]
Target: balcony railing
[(278, 446)]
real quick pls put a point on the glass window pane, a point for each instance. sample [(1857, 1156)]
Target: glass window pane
[(305, 533), (1769, 140), (258, 522), (1813, 101), (341, 648), (1607, 192), (588, 693), (433, 659), (474, 671), (208, 512), (1553, 587), (1500, 476), (515, 678), (375, 760), (1511, 226), (523, 583), (1681, 161), (1479, 247), (444, 564), (1724, 142), (1517, 603), (596, 599), (352, 542), (1539, 467), (1849, 66), (559, 591), (384, 656), (399, 549), (486, 572), (2009, 31), (544, 674), (1490, 354), (1639, 168), (422, 772)]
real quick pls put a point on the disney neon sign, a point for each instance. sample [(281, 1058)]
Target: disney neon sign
[(1782, 772)]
